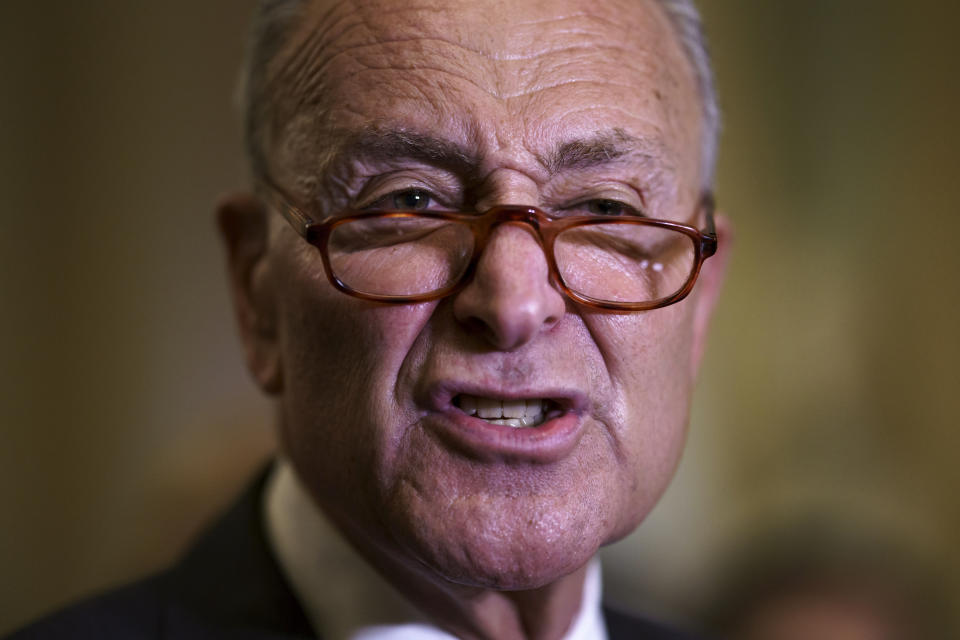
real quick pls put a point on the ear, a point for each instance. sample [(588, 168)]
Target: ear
[(709, 284), (244, 228)]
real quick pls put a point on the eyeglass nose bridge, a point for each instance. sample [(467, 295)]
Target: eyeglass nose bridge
[(511, 214), (532, 219)]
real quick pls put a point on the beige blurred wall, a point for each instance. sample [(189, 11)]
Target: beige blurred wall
[(125, 414), (830, 385)]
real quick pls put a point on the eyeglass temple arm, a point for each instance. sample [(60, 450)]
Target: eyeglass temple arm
[(299, 220), (708, 243)]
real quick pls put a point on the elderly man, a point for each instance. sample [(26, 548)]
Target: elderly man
[(474, 278)]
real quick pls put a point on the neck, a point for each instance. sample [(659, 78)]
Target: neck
[(546, 613), (295, 523)]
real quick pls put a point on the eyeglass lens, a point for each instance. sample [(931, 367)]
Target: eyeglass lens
[(624, 262), (409, 256)]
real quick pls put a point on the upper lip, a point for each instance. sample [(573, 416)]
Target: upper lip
[(440, 395)]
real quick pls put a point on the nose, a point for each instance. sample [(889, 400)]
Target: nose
[(510, 299)]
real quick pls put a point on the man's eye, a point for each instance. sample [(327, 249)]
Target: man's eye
[(409, 200), (609, 208)]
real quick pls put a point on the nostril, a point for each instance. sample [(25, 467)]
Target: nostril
[(551, 320), (509, 323)]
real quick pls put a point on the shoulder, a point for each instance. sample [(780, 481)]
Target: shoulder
[(164, 607), (227, 585), (133, 612), (625, 626)]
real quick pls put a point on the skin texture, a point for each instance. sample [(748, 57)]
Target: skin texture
[(544, 104)]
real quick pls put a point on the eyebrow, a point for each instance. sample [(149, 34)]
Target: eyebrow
[(600, 149), (582, 153), (398, 143)]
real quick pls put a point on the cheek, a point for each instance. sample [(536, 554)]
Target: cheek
[(340, 358), (647, 357)]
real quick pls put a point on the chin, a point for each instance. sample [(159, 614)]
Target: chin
[(519, 566), (506, 526), (506, 544)]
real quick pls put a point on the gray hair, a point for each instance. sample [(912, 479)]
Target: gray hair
[(689, 27), (275, 18)]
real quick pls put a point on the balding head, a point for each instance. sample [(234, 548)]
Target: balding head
[(275, 19)]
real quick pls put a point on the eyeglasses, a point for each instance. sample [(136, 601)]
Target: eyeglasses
[(403, 257)]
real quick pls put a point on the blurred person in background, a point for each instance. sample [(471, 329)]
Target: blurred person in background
[(825, 577), (476, 274)]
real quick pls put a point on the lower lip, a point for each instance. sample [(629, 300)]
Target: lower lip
[(552, 441)]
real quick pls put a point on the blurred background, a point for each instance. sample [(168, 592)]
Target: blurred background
[(825, 428)]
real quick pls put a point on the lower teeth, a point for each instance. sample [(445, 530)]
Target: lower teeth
[(517, 423)]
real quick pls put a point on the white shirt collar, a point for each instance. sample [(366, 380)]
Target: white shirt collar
[(343, 596)]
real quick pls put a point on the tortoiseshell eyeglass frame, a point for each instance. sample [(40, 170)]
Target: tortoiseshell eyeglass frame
[(546, 228)]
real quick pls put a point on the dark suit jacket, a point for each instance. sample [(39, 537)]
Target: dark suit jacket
[(226, 586)]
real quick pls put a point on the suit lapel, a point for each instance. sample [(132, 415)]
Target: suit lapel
[(229, 585)]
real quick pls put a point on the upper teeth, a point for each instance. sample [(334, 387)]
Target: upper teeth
[(513, 413)]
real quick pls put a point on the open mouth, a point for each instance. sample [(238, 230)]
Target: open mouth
[(519, 413), (540, 425)]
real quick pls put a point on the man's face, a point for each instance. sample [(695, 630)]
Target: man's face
[(553, 105)]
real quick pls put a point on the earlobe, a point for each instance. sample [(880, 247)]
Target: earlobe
[(244, 229), (709, 284)]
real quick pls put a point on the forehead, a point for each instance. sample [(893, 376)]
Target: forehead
[(501, 77)]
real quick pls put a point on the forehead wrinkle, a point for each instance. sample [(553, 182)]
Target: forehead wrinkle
[(314, 61), (563, 48), (409, 23), (318, 51), (533, 31), (539, 87), (332, 33), (300, 73), (420, 70), (347, 29), (322, 73), (588, 65)]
